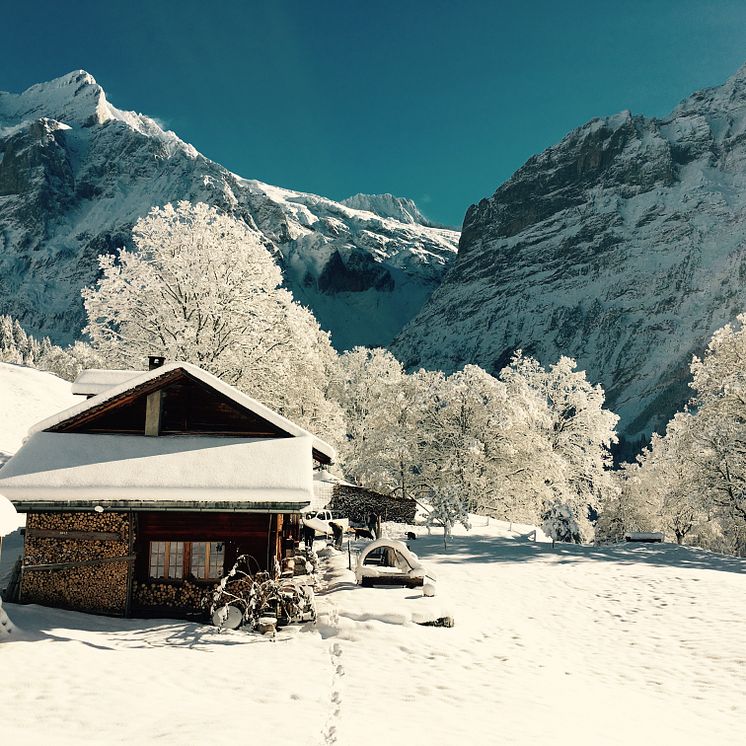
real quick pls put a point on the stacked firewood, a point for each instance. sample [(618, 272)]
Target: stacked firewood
[(101, 589), (357, 504), (82, 521), (40, 551), (185, 595), (70, 560)]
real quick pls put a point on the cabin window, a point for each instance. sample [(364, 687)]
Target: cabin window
[(178, 559), (167, 559), (207, 559)]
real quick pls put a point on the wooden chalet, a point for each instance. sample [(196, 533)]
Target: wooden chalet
[(140, 497)]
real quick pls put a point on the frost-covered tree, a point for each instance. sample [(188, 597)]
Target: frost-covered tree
[(482, 436), (507, 446), (200, 286), (447, 508), (580, 432), (381, 405), (696, 472), (16, 346), (68, 362), (719, 420), (457, 433), (630, 507)]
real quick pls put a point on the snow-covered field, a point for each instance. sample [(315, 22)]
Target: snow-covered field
[(571, 645)]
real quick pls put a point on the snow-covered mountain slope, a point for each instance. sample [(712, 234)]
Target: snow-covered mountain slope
[(28, 396), (76, 173), (623, 246)]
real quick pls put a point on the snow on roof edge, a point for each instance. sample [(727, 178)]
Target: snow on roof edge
[(74, 466), (208, 378), (94, 381)]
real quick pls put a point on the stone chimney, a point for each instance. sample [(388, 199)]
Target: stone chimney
[(155, 361)]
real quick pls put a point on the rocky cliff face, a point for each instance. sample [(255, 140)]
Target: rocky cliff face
[(76, 173), (623, 246)]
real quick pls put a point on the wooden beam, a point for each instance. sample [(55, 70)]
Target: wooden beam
[(42, 533), (130, 565), (153, 413), (80, 563)]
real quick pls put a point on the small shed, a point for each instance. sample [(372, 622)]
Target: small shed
[(139, 498), (357, 503)]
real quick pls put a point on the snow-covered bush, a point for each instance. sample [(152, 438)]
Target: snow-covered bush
[(559, 524), (259, 596)]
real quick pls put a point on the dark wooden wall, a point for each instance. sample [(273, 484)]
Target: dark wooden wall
[(188, 407), (243, 533)]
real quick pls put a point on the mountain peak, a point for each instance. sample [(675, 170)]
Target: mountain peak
[(75, 98), (718, 100), (387, 205), (76, 77)]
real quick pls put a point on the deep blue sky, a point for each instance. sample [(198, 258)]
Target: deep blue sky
[(438, 101)]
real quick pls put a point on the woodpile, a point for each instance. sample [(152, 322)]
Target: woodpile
[(81, 521), (184, 595), (357, 503), (97, 589), (77, 560)]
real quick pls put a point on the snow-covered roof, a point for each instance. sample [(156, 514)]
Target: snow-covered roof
[(326, 477), (179, 472), (97, 380), (202, 375)]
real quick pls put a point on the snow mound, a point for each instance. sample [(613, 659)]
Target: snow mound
[(27, 396)]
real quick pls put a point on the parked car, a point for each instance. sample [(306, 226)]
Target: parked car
[(321, 521)]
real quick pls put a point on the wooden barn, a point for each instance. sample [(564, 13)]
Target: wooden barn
[(141, 496)]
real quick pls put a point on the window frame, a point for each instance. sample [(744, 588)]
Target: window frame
[(210, 553)]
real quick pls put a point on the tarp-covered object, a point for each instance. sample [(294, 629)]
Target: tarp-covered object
[(9, 518), (182, 472)]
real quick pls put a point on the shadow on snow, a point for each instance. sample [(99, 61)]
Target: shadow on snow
[(486, 549)]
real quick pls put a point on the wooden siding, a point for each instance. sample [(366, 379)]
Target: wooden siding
[(188, 407), (254, 534)]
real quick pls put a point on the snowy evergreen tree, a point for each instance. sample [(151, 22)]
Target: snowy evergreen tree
[(559, 523)]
